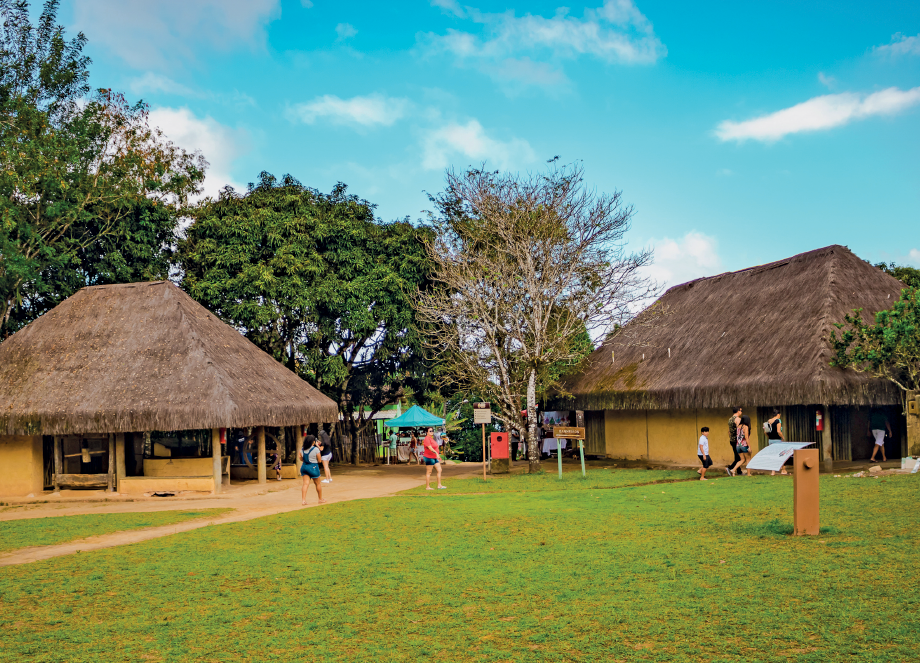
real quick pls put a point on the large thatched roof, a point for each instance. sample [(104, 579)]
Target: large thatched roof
[(752, 337), (144, 356)]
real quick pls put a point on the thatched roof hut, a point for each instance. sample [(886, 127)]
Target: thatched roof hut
[(144, 357), (757, 336)]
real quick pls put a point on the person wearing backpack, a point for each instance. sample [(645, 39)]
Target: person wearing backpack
[(310, 455), (773, 427)]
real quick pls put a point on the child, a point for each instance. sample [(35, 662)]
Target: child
[(703, 452), (276, 465)]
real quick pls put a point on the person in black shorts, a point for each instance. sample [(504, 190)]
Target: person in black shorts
[(702, 450)]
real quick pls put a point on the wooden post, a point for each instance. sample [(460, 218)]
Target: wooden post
[(805, 493), (111, 476), (559, 455), (483, 452), (120, 472), (260, 439), (58, 462), (581, 452), (827, 443), (215, 456)]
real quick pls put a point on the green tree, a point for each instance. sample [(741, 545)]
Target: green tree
[(76, 178), (889, 348), (317, 281), (907, 275)]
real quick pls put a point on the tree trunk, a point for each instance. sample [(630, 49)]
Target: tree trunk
[(533, 446), (353, 432)]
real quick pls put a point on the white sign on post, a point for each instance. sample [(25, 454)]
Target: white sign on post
[(482, 413), (773, 457)]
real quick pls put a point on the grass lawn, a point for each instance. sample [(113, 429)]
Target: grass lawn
[(549, 480), (47, 531), (687, 571)]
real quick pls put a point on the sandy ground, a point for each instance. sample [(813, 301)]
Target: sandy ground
[(248, 500)]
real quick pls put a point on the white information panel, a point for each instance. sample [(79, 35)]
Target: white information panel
[(773, 457), (482, 413)]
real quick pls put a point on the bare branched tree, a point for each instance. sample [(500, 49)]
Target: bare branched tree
[(523, 265)]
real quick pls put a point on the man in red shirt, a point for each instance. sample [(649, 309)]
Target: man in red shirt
[(432, 456)]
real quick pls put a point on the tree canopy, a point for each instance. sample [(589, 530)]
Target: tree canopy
[(316, 280), (525, 268), (907, 275), (889, 348), (89, 192)]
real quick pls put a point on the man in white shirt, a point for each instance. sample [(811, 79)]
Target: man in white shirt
[(703, 452)]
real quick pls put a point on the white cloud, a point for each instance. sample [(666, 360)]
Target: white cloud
[(345, 31), (153, 83), (449, 6), (220, 145), (367, 111), (442, 146), (306, 4), (690, 257), (615, 32), (158, 34), (819, 113), (913, 257), (900, 45), (827, 81)]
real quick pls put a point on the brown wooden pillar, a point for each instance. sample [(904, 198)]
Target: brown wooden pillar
[(827, 442), (120, 472), (215, 455), (58, 461), (110, 479), (260, 440)]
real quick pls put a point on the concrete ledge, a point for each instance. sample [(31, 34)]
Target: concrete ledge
[(245, 473), (142, 485)]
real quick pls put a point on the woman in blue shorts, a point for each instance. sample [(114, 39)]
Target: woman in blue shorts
[(310, 455), (432, 457)]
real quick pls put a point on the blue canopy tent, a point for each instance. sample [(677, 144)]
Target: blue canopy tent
[(415, 417)]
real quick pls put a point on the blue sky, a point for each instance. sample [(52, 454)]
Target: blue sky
[(741, 132)]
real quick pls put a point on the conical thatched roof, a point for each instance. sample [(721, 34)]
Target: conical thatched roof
[(144, 356), (752, 337)]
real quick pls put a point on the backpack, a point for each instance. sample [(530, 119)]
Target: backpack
[(767, 427)]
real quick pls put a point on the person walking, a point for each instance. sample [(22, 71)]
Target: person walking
[(743, 445), (413, 442), (773, 427), (878, 424), (326, 441), (703, 452), (733, 439), (432, 458), (394, 441), (309, 470)]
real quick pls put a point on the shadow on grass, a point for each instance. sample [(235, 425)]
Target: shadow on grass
[(775, 528)]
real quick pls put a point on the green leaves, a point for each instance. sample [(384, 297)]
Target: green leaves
[(889, 349), (315, 280)]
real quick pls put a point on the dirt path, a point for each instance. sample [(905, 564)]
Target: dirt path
[(248, 501)]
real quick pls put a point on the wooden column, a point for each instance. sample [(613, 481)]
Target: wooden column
[(58, 461), (260, 440), (120, 472), (215, 455), (827, 443), (110, 481)]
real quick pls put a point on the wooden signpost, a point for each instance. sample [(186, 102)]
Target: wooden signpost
[(482, 414), (570, 433)]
